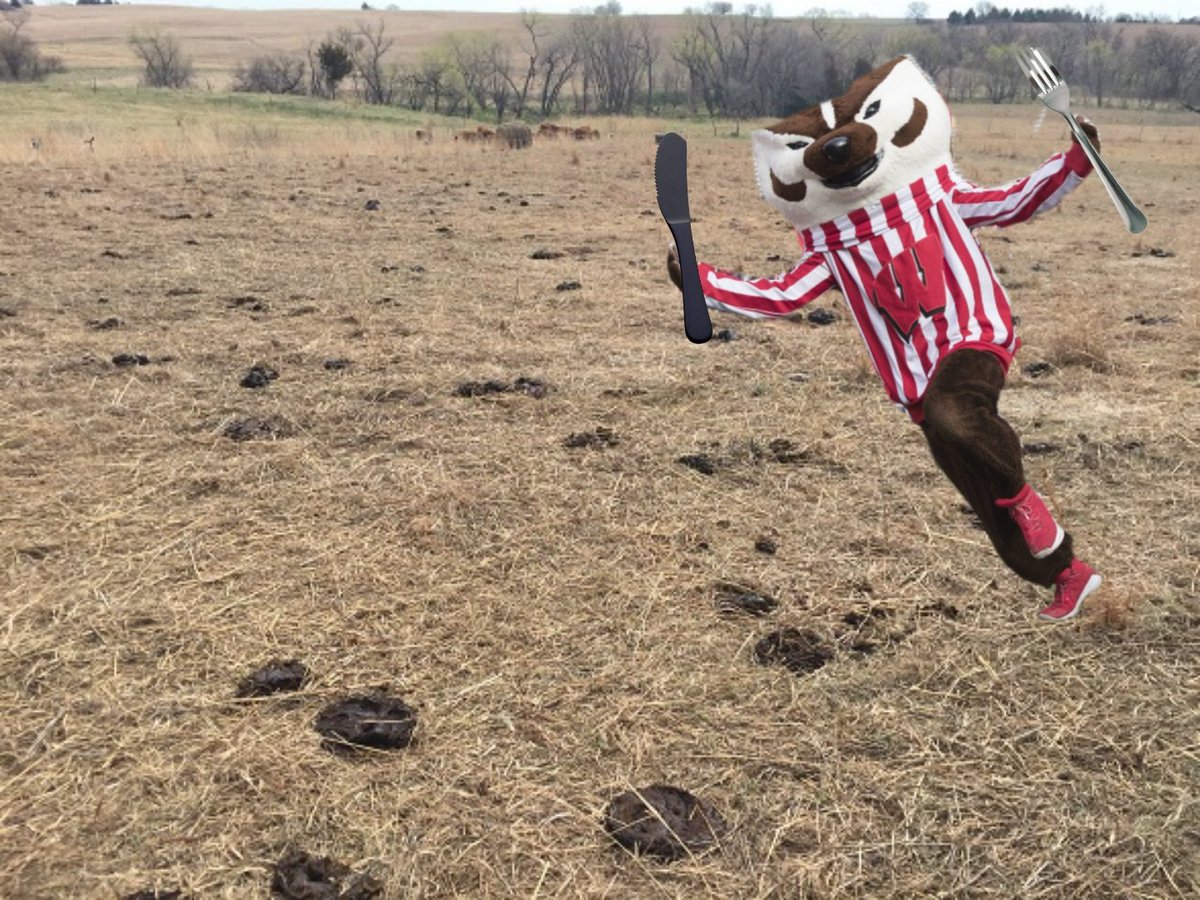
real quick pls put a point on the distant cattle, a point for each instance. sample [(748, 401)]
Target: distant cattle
[(585, 133), (485, 133), (425, 137), (467, 137), (516, 135), (550, 130)]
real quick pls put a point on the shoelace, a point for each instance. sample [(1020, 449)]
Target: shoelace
[(1031, 523)]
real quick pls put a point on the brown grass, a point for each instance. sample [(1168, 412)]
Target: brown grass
[(549, 611)]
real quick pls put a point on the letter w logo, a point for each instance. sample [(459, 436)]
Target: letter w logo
[(911, 286)]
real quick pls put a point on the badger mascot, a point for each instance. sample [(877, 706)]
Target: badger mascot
[(882, 215)]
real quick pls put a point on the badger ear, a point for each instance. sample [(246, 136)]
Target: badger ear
[(761, 137)]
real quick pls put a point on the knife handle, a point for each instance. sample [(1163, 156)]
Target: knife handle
[(696, 323)]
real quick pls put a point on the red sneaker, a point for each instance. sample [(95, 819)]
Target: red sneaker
[(1042, 534), (1074, 583)]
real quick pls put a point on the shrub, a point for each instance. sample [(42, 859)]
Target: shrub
[(164, 62), (273, 74), (20, 59)]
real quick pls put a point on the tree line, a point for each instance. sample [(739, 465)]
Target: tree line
[(722, 63), (716, 61)]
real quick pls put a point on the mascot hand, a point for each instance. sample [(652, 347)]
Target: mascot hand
[(673, 270), (1090, 130)]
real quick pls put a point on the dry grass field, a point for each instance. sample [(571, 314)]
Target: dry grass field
[(549, 610), (95, 39)]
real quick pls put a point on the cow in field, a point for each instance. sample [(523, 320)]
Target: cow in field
[(585, 133)]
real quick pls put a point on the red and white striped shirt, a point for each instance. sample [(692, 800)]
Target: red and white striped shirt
[(915, 278)]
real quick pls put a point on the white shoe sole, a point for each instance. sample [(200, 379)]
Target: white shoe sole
[(1058, 539), (1089, 588)]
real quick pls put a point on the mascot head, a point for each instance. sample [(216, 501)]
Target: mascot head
[(889, 129)]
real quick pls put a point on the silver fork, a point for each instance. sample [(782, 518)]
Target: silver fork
[(1053, 91)]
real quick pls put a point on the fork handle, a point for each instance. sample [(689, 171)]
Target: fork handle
[(1134, 220)]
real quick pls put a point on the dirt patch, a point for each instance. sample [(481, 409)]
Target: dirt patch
[(941, 608), (125, 360), (799, 651), (256, 430), (336, 365), (1143, 319), (870, 630), (735, 598), (276, 677), (107, 324), (303, 876), (663, 821), (258, 376), (482, 388), (700, 462), (600, 438), (1038, 448), (784, 451), (376, 721), (531, 386), (248, 302)]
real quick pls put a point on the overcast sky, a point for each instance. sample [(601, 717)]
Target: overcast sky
[(886, 8)]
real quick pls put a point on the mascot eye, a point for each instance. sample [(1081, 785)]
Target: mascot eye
[(871, 110), (798, 145)]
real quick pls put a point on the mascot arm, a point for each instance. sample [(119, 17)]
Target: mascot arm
[(759, 298), (1024, 198)]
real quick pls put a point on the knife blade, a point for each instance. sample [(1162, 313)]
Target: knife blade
[(670, 179)]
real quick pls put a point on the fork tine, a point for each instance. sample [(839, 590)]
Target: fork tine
[(1031, 71), (1034, 71), (1025, 68), (1047, 70)]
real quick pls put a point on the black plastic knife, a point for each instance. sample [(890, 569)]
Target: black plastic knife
[(670, 177)]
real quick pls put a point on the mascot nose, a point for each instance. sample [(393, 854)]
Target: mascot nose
[(837, 150)]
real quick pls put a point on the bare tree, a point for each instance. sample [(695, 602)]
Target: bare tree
[(1001, 79), (432, 75), (650, 46), (918, 11), (164, 65), (1165, 63), (368, 46), (275, 73), (532, 42), (1100, 64), (558, 65), (745, 64), (20, 59), (615, 63), (474, 64)]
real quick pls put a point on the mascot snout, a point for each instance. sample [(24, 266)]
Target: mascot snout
[(845, 157)]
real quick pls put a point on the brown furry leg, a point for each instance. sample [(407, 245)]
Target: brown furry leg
[(981, 454)]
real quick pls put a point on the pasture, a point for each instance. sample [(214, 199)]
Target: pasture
[(533, 569)]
